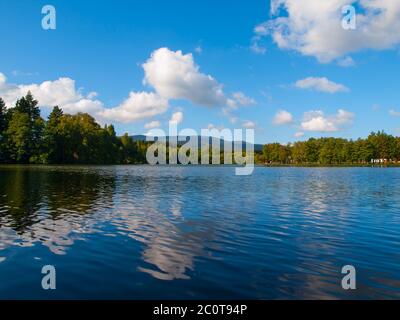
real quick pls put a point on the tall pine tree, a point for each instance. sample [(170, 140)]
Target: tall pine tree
[(2, 116), (25, 130), (29, 106), (53, 139), (3, 126)]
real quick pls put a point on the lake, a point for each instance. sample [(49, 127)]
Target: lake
[(194, 232)]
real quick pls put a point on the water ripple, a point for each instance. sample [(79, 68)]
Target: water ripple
[(200, 232)]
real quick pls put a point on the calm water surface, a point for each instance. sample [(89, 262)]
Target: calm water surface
[(199, 232)]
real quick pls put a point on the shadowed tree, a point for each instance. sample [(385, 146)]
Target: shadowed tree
[(129, 149), (53, 140), (2, 116), (3, 127)]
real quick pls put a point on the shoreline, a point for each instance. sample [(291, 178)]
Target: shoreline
[(392, 165)]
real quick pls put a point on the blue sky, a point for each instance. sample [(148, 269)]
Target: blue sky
[(287, 85)]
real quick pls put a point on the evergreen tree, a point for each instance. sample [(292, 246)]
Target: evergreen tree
[(3, 120), (29, 106), (3, 127), (53, 140), (25, 131)]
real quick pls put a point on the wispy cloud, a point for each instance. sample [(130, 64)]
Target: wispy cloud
[(19, 73), (322, 84), (249, 124), (176, 118), (394, 113), (152, 124)]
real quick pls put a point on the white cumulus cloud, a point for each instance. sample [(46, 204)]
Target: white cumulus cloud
[(172, 75), (82, 105), (314, 27), (283, 117), (63, 92), (50, 93), (175, 75), (138, 106), (317, 121)]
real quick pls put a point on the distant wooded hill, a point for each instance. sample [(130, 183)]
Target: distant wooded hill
[(200, 139)]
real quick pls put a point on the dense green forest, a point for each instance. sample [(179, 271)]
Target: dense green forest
[(376, 148), (25, 137)]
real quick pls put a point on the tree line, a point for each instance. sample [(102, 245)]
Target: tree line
[(377, 147), (25, 137)]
